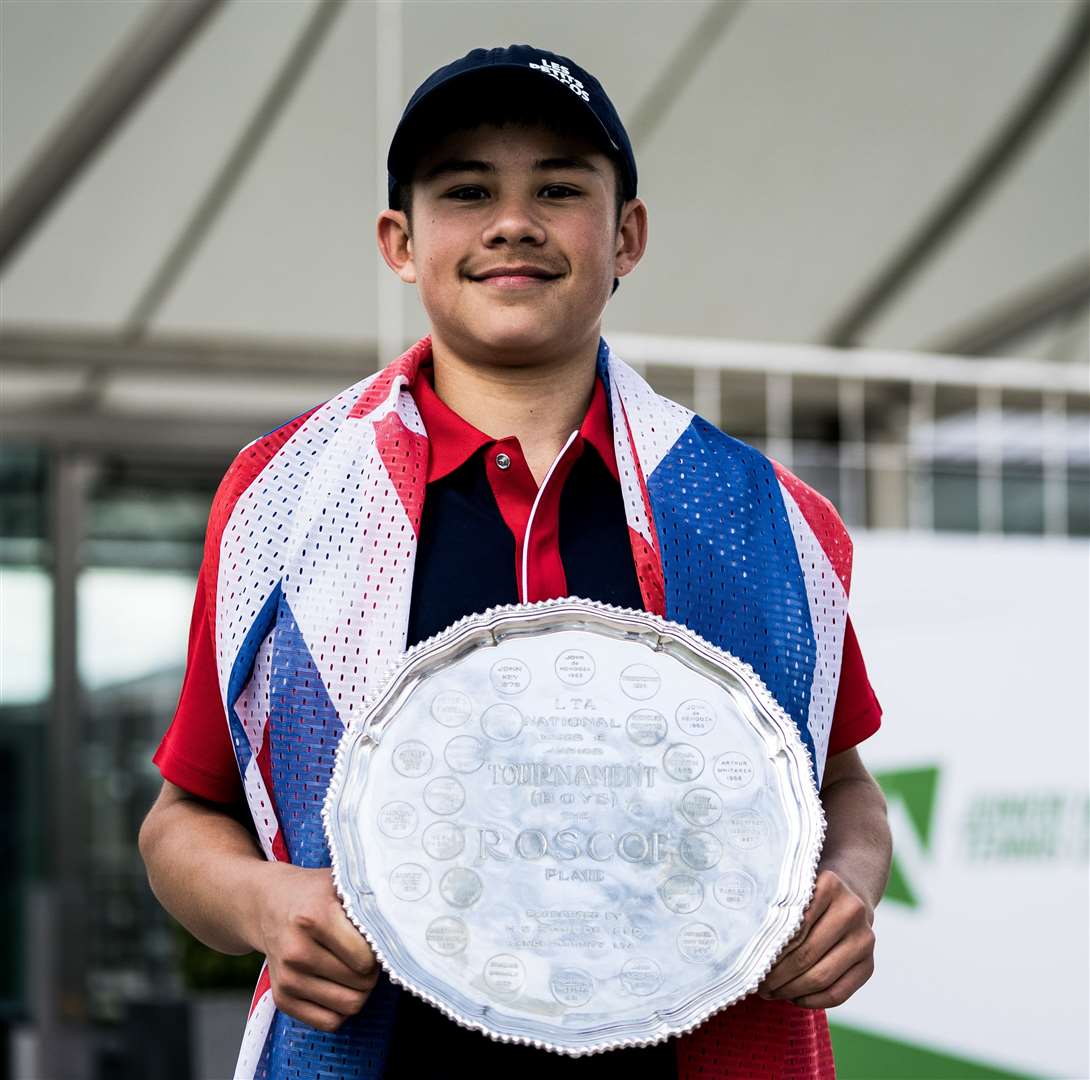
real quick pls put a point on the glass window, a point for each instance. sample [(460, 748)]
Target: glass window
[(26, 656), (676, 383), (149, 513), (956, 496), (1078, 501), (1023, 498), (742, 407), (145, 524), (23, 505), (818, 465)]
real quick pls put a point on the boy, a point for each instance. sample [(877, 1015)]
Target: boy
[(507, 457)]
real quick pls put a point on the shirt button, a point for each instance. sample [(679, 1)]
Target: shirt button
[(503, 461)]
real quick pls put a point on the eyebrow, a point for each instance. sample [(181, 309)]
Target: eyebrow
[(471, 165)]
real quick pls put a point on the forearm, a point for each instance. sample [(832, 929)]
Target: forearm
[(832, 955), (857, 847), (206, 870)]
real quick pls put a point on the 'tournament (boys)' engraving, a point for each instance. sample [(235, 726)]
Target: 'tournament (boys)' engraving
[(548, 774)]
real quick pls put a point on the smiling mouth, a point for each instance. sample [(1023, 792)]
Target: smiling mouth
[(514, 276)]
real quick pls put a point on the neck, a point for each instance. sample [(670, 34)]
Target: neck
[(540, 404)]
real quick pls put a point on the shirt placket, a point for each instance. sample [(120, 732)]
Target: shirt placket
[(532, 514)]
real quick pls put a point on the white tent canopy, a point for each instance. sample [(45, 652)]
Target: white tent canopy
[(786, 151)]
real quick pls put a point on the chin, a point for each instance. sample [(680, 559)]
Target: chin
[(520, 336)]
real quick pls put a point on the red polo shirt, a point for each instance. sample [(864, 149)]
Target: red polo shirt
[(496, 508), (516, 492)]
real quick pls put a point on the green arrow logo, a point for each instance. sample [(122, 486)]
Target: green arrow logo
[(915, 790)]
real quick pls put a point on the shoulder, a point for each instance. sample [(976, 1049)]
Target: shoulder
[(320, 421), (247, 465), (822, 519), (285, 456), (809, 510)]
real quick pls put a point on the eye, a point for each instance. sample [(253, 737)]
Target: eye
[(466, 194), (561, 190)]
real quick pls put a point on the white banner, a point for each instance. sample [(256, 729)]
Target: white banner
[(978, 649)]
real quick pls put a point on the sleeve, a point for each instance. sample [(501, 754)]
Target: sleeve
[(196, 752), (857, 714)]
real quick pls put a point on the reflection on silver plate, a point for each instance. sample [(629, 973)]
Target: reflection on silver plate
[(574, 826)]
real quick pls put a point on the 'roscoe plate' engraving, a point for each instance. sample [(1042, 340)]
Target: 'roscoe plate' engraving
[(574, 826)]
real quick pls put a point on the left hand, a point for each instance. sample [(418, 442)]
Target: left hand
[(832, 955)]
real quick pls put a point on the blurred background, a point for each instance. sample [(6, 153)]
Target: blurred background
[(869, 256)]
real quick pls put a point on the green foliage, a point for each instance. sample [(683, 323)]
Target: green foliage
[(203, 968)]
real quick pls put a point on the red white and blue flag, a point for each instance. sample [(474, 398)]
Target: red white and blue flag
[(310, 554)]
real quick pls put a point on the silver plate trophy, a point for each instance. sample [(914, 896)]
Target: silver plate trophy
[(574, 826)]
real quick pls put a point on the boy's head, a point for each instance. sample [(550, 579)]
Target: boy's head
[(499, 101), (518, 86), (506, 160)]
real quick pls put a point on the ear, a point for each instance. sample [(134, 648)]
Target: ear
[(631, 237), (396, 245)]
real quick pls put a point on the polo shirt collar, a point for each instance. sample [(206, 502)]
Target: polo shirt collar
[(452, 441)]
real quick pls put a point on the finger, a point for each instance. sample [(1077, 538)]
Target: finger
[(841, 990), (309, 1013), (836, 962), (825, 892), (316, 960), (322, 994), (823, 936), (845, 914), (337, 934)]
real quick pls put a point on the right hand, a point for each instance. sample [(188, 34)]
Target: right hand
[(321, 967)]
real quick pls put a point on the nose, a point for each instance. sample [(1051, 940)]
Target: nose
[(513, 220)]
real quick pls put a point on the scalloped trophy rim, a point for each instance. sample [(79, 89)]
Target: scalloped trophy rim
[(488, 621)]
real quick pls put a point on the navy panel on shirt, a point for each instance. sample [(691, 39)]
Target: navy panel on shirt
[(465, 556), (594, 544), (465, 563)]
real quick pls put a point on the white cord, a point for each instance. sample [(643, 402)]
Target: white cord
[(530, 520)]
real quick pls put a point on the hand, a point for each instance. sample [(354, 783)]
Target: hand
[(321, 967), (832, 955)]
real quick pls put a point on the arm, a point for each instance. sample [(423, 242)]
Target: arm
[(206, 870), (832, 955)]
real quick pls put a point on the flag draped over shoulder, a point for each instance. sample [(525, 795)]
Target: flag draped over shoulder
[(309, 557)]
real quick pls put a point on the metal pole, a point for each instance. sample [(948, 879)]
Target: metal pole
[(1062, 296), (680, 70), (706, 390), (989, 426), (143, 58), (921, 458), (1054, 463), (779, 442), (389, 101), (853, 451), (227, 179), (70, 478), (1001, 151)]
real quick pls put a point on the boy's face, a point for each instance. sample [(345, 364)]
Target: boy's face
[(514, 198)]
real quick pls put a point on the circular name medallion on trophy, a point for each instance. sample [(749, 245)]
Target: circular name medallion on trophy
[(574, 826)]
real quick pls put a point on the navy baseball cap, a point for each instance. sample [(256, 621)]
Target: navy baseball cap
[(551, 72)]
